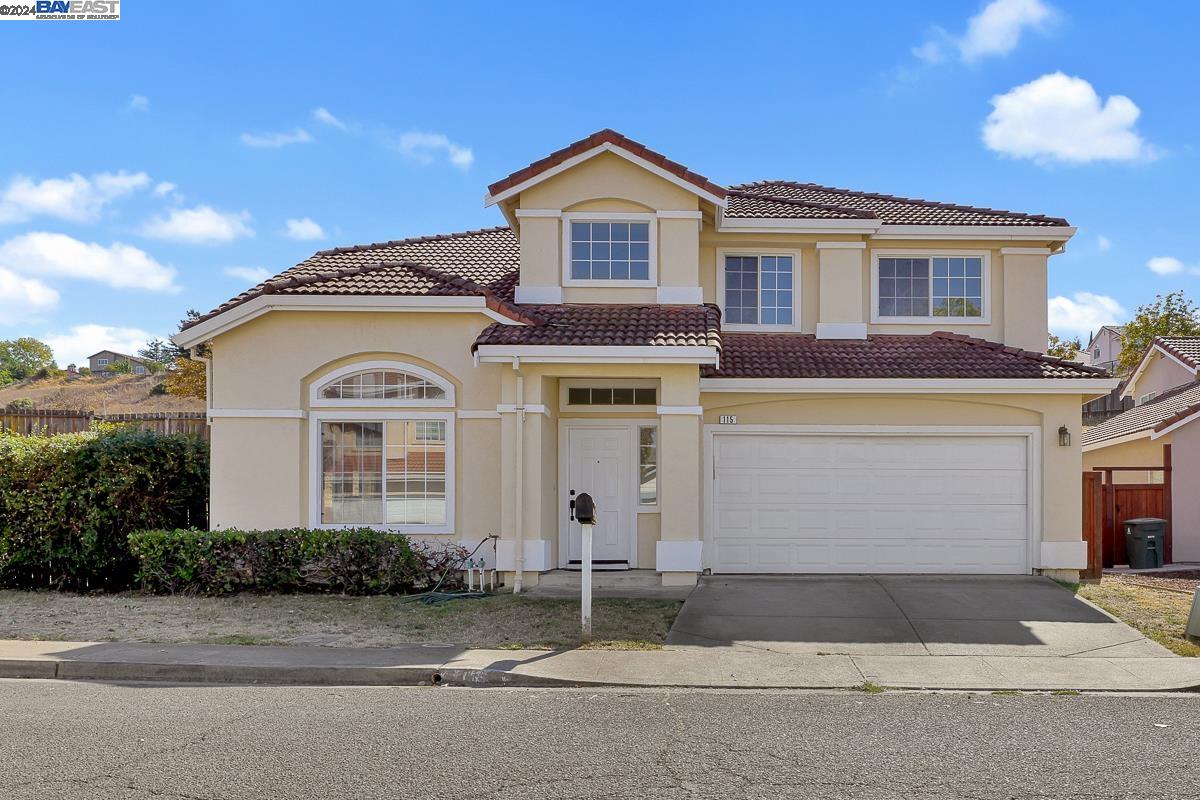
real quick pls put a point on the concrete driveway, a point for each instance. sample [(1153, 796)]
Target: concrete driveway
[(908, 615)]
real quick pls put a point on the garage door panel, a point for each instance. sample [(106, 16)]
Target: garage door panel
[(862, 503)]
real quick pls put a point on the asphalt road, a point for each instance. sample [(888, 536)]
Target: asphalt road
[(64, 740)]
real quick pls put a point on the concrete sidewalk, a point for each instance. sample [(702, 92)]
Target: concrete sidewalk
[(424, 665)]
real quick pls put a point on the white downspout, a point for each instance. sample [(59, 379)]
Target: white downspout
[(519, 505)]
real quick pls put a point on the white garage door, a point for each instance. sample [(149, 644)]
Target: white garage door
[(869, 503)]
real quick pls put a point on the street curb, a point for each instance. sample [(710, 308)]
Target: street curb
[(136, 672), (145, 672)]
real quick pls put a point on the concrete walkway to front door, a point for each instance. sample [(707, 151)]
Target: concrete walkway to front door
[(902, 615)]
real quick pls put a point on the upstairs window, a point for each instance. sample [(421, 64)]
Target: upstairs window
[(609, 251), (759, 291), (930, 288)]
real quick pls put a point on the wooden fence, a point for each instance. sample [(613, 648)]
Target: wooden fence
[(44, 421), (1117, 502)]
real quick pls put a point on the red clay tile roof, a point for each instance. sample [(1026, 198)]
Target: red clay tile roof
[(937, 355), (1185, 348), (611, 325), (606, 136), (1164, 410), (893, 210), (483, 262)]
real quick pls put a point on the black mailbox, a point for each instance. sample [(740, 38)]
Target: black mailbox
[(585, 509)]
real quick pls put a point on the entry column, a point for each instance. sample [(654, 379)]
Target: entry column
[(679, 550)]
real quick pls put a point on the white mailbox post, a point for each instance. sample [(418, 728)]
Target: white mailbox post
[(584, 509)]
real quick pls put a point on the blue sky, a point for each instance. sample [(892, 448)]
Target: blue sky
[(153, 164)]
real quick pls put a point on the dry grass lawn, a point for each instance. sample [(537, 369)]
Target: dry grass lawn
[(1159, 615), (120, 394), (501, 621)]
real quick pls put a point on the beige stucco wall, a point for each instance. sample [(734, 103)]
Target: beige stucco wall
[(831, 292), (609, 184), (1185, 503), (1161, 373), (1060, 485), (1144, 452), (260, 468)]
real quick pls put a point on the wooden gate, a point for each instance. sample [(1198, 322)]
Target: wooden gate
[(1124, 501)]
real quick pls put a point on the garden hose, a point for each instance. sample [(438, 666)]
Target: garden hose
[(435, 598)]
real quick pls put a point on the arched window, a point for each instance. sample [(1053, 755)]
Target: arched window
[(377, 383), (391, 466)]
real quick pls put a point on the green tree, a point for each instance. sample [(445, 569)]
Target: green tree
[(22, 358), (161, 352), (120, 367), (1172, 314), (1065, 349)]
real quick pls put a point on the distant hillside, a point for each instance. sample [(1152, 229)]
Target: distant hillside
[(120, 394)]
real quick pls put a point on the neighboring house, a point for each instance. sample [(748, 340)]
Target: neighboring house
[(1166, 384), (772, 377), (1103, 350), (101, 362)]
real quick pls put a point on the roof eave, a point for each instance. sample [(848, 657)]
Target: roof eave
[(1076, 386)]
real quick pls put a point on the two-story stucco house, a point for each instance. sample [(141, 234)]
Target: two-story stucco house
[(774, 377)]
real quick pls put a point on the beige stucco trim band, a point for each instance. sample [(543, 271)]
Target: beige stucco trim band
[(257, 413), (584, 354)]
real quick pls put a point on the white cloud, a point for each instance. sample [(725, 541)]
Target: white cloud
[(249, 274), (323, 115), (425, 148), (304, 229), (199, 225), (994, 31), (298, 136), (73, 198), (1103, 243), (1169, 265), (1084, 312), (139, 102), (164, 188), (118, 265), (1061, 118), (81, 341), (997, 30), (23, 298)]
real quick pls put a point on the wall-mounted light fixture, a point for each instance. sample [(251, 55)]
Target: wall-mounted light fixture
[(1064, 437)]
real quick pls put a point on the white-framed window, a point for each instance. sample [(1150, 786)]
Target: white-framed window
[(1146, 398), (390, 467), (138, 369), (389, 470), (647, 467), (759, 290), (102, 362), (609, 249), (591, 396), (381, 383), (931, 287)]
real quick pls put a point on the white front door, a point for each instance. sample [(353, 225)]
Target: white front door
[(599, 462)]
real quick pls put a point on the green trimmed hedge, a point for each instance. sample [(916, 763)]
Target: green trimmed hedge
[(357, 561), (68, 503)]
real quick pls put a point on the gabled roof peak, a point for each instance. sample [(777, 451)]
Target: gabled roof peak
[(606, 139)]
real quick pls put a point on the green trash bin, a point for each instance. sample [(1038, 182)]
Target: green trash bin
[(1144, 542)]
